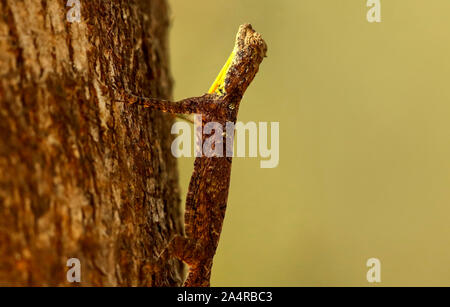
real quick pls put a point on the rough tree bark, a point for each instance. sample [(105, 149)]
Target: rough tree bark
[(82, 175)]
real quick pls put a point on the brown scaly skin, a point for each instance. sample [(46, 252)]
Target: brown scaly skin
[(208, 190)]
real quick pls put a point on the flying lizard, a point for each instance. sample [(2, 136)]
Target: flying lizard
[(208, 189)]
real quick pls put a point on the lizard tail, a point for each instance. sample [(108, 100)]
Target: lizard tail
[(199, 275)]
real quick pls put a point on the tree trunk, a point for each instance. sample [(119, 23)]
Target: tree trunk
[(82, 175)]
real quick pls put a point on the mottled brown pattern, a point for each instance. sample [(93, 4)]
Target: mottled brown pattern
[(208, 190)]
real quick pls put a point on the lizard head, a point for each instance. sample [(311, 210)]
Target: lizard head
[(242, 65)]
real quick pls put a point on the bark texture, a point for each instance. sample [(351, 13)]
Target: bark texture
[(83, 176)]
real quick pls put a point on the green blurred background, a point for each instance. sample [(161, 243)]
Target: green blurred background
[(364, 139)]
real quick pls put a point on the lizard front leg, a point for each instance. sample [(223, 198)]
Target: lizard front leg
[(186, 106)]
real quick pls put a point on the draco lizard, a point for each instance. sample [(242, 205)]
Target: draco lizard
[(208, 189)]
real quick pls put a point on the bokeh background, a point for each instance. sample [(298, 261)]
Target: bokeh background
[(364, 115)]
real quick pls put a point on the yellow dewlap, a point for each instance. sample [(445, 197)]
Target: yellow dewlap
[(219, 84)]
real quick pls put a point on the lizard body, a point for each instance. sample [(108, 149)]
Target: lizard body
[(208, 189)]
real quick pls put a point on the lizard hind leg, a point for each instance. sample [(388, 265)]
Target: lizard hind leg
[(192, 252), (199, 275)]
